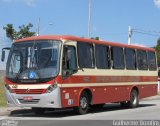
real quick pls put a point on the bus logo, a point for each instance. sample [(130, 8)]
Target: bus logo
[(28, 90), (14, 86)]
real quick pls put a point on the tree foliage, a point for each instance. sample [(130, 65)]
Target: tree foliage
[(22, 32), (10, 32), (158, 42), (96, 38), (157, 48)]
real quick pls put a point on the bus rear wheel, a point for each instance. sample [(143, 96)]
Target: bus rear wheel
[(134, 99), (83, 104), (38, 111), (133, 102)]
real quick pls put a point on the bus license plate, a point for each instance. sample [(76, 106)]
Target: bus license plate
[(27, 98)]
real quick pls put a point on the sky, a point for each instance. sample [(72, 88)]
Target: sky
[(109, 19)]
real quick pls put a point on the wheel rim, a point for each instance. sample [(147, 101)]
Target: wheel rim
[(134, 99), (83, 103)]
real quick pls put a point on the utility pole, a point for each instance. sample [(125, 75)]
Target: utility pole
[(89, 18), (38, 26), (129, 35)]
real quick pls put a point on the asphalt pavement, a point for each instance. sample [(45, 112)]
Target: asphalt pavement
[(15, 110), (110, 115)]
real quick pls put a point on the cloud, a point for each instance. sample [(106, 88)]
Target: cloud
[(157, 3), (30, 3)]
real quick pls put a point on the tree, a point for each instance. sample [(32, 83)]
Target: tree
[(96, 38), (10, 32), (23, 31), (157, 48), (158, 42)]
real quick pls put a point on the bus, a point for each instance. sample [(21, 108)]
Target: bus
[(59, 71)]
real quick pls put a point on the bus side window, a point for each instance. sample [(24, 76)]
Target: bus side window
[(130, 57), (152, 61), (102, 56), (69, 64), (117, 57), (142, 60), (86, 58)]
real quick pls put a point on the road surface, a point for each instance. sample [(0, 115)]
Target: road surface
[(147, 110)]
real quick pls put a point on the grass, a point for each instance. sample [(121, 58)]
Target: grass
[(2, 95)]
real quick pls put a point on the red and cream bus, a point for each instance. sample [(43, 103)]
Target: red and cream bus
[(65, 71)]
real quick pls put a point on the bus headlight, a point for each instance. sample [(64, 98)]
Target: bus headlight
[(51, 88), (8, 88)]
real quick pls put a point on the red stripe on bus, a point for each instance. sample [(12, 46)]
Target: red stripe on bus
[(108, 79), (96, 79)]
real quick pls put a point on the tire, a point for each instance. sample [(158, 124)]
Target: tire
[(134, 99), (83, 104), (133, 102), (38, 111)]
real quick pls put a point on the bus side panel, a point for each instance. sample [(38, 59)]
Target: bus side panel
[(69, 96), (147, 90), (110, 94)]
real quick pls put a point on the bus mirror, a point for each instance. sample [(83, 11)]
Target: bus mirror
[(3, 56), (3, 53)]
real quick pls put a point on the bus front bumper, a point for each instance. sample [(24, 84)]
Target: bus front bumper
[(46, 100)]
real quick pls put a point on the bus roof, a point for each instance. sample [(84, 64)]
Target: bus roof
[(73, 38)]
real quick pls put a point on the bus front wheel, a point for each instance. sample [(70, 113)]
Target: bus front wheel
[(83, 104)]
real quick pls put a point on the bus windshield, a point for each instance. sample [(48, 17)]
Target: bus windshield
[(33, 60)]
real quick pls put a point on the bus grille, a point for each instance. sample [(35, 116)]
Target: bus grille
[(33, 101), (29, 91)]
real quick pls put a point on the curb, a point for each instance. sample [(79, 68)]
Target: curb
[(4, 111), (8, 110)]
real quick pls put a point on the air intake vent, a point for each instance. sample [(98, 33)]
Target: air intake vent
[(29, 91), (33, 101)]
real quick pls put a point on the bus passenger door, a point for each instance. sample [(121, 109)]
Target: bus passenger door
[(69, 68), (69, 63)]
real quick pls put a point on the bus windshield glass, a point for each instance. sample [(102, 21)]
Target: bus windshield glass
[(34, 60)]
